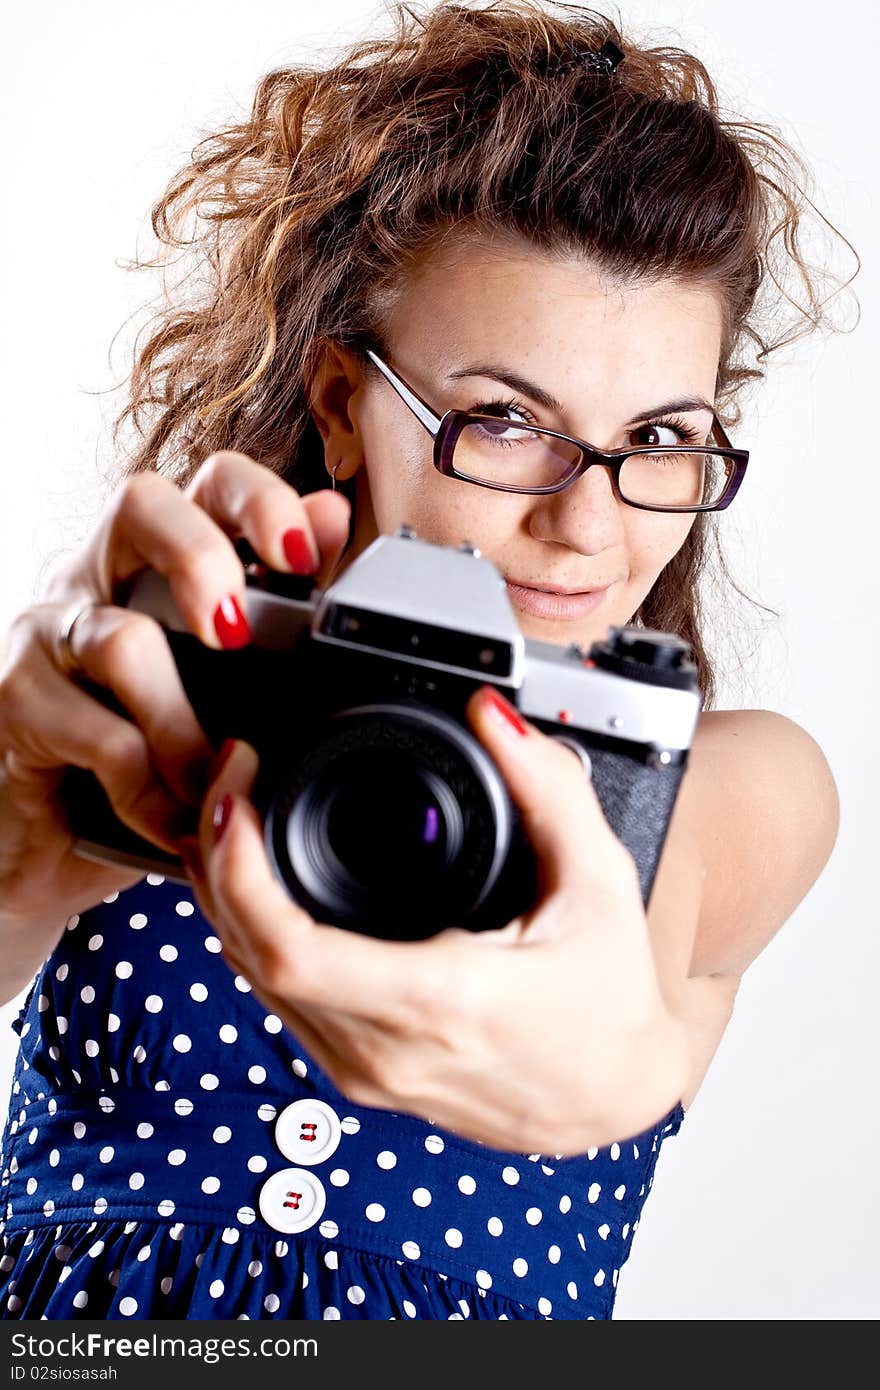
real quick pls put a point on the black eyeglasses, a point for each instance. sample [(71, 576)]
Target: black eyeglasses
[(513, 456)]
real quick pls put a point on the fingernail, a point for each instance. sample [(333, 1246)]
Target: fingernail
[(503, 710), (299, 552), (230, 624), (221, 816)]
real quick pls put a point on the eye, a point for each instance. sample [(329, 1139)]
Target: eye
[(505, 410), (664, 434)]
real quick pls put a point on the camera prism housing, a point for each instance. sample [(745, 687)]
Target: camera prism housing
[(382, 811)]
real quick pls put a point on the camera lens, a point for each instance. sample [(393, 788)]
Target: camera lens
[(393, 822)]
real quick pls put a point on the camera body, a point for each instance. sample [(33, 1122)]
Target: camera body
[(382, 811)]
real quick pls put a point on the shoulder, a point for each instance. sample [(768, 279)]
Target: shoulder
[(762, 803)]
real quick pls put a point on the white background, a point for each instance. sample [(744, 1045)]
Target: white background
[(763, 1206)]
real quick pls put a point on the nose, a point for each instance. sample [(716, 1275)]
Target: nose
[(585, 516)]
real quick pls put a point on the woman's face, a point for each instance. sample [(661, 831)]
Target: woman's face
[(612, 358)]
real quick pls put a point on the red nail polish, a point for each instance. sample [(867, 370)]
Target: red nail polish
[(222, 812), (298, 552), (504, 709), (230, 624), (222, 758)]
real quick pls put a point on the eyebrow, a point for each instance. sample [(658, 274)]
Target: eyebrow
[(536, 393)]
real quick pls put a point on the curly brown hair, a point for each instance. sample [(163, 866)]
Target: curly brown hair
[(299, 222)]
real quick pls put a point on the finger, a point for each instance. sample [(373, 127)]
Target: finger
[(555, 799), (307, 962), (298, 535)]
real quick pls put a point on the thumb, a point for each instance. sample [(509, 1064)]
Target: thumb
[(549, 785)]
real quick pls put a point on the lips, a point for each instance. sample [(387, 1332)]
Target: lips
[(559, 605)]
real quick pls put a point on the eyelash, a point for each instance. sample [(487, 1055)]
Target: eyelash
[(686, 433)]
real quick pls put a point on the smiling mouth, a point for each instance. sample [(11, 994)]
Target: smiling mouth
[(561, 593)]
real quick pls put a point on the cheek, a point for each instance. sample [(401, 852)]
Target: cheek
[(653, 539)]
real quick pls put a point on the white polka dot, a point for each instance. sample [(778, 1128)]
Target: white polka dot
[(99, 1206), (599, 1278), (331, 1314), (533, 1215), (166, 1283), (386, 1159), (139, 1053), (31, 1186), (434, 1144), (467, 1185), (184, 909), (113, 1022), (625, 1232), (329, 1229), (409, 1308), (212, 944), (77, 1182), (144, 1253), (176, 1157), (198, 992), (484, 1279), (144, 1130), (266, 1111), (494, 1226), (92, 1048), (154, 1004), (222, 1134), (124, 970), (210, 1185), (255, 1268), (60, 1024), (272, 1023), (181, 1043), (215, 1288), (520, 1267), (209, 1081), (257, 1075), (166, 1207), (554, 1254), (593, 1192), (183, 1106), (591, 1153), (87, 994), (136, 1181), (411, 1249), (349, 1124), (571, 1289), (374, 1212), (545, 1306), (257, 1163), (128, 1307), (300, 1069), (271, 1303), (339, 1177), (169, 953), (355, 1294), (13, 1303), (564, 1203), (96, 1249), (227, 1033), (453, 1237), (620, 1192), (604, 1231), (54, 1158), (106, 1154), (510, 1176), (422, 1197), (95, 944), (242, 985), (80, 1299), (615, 1151), (176, 1230), (245, 1216), (138, 921), (331, 1259)]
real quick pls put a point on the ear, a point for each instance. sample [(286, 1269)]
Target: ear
[(338, 375)]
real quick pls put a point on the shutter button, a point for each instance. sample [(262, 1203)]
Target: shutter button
[(308, 1131), (292, 1200)]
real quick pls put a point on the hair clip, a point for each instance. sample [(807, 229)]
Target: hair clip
[(607, 60)]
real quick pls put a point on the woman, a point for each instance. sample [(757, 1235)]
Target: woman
[(222, 1108)]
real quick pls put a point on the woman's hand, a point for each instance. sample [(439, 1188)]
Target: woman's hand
[(549, 1035), (155, 764)]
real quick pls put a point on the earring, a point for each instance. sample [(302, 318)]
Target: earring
[(333, 473)]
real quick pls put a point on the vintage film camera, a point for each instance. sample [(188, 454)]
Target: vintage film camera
[(383, 813)]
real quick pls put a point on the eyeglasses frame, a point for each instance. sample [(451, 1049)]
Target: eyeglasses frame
[(445, 430)]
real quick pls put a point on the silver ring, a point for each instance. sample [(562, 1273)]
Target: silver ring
[(580, 752), (63, 648)]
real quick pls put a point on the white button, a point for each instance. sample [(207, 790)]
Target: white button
[(292, 1200), (308, 1131)]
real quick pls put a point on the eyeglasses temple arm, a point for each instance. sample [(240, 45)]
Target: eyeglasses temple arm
[(427, 417)]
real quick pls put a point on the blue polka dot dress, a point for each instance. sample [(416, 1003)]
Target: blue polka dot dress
[(172, 1151)]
